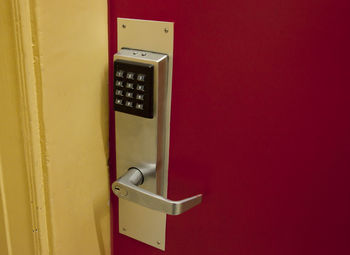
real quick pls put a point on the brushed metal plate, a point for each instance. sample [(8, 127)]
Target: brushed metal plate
[(135, 221)]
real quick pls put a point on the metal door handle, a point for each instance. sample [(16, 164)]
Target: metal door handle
[(126, 187)]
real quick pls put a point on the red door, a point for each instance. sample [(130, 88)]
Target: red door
[(260, 125)]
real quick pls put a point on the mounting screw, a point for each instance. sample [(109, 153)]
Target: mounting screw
[(123, 26), (166, 30), (124, 229), (158, 242)]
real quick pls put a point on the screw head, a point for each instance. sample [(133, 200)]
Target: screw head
[(124, 229), (158, 242), (166, 30), (123, 26)]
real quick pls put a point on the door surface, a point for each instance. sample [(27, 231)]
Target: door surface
[(260, 125)]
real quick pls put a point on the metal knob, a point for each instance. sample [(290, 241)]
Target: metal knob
[(126, 187)]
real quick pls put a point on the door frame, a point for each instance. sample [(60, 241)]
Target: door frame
[(35, 217)]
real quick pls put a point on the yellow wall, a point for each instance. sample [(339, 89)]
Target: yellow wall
[(54, 190), (16, 225)]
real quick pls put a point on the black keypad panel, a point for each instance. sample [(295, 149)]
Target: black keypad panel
[(133, 88)]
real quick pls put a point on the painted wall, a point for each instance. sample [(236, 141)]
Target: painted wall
[(71, 38), (16, 228), (54, 128), (259, 124)]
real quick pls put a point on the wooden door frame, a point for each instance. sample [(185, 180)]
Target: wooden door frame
[(32, 181)]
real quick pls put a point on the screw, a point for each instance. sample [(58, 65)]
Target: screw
[(166, 30), (123, 26), (158, 242), (124, 229)]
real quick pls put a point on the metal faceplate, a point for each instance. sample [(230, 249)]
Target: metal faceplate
[(143, 141)]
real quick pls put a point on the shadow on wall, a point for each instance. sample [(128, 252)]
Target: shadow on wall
[(100, 214)]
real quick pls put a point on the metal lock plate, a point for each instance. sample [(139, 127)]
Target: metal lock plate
[(142, 140)]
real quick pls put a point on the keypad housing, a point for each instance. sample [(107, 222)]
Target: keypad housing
[(133, 88)]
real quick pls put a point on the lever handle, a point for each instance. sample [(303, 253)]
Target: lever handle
[(126, 187)]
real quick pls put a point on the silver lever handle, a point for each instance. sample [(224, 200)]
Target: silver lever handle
[(126, 187)]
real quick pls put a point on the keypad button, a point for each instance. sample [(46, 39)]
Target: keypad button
[(119, 84), (139, 106), (130, 75), (128, 103), (141, 77), (119, 92), (129, 85), (119, 101), (139, 96), (129, 94), (119, 73), (140, 87)]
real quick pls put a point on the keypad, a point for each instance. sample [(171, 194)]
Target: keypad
[(133, 88)]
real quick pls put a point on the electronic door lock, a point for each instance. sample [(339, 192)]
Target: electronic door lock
[(142, 95), (140, 78), (127, 187)]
